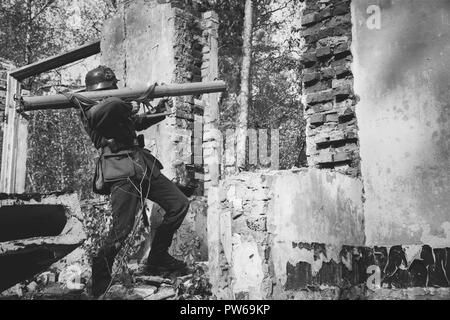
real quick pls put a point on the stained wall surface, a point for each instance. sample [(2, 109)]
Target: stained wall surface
[(402, 61)]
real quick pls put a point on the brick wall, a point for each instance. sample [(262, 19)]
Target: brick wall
[(332, 138), (188, 47), (211, 139)]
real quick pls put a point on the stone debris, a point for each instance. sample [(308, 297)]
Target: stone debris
[(120, 292), (163, 293), (32, 287), (155, 280), (15, 292), (194, 286), (145, 291)]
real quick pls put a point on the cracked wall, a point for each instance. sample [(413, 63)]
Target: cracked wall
[(300, 235), (263, 214)]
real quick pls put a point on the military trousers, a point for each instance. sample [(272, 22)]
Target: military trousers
[(126, 200)]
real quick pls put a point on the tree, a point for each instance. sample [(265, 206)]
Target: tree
[(60, 154), (274, 90), (241, 132)]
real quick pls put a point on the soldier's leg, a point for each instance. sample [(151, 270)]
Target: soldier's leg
[(176, 205), (125, 201)]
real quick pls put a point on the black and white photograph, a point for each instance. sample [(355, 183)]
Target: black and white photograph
[(225, 158)]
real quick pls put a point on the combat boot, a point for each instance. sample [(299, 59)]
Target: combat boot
[(164, 262), (101, 274)]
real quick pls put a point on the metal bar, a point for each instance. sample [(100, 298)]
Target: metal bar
[(60, 101), (56, 61)]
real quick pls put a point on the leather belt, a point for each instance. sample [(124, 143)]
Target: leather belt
[(115, 146)]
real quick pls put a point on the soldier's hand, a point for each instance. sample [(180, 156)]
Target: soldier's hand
[(136, 107), (162, 106)]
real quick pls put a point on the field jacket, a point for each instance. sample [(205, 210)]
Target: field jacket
[(111, 120)]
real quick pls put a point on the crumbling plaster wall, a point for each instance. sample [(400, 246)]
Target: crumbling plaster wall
[(262, 216), (300, 234), (376, 106), (402, 58)]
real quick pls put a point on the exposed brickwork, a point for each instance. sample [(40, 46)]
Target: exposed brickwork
[(332, 140), (189, 56), (211, 142)]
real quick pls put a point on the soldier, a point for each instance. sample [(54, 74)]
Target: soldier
[(130, 174)]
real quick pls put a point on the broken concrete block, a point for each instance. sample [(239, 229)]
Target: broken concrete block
[(35, 232)]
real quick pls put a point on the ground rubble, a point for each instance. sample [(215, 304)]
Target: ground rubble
[(131, 284)]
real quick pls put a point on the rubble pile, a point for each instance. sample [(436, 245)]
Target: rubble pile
[(131, 284)]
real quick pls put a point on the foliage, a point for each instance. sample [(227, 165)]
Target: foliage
[(35, 29), (275, 95), (96, 223), (60, 155)]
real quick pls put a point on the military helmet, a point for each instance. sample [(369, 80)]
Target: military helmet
[(101, 78)]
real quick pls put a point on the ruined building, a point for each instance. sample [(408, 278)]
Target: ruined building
[(375, 91), (371, 209)]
